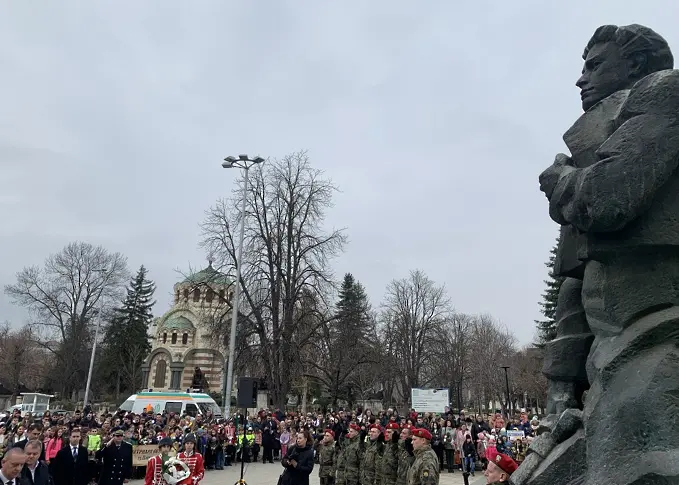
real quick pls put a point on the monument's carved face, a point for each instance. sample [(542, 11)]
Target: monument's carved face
[(605, 72)]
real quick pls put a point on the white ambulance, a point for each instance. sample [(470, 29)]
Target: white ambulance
[(192, 403)]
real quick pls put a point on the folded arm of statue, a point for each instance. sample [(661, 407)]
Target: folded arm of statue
[(634, 163)]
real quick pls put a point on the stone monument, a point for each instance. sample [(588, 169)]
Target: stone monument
[(613, 369)]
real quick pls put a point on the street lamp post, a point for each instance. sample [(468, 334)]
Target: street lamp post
[(96, 337), (243, 162), (509, 401)]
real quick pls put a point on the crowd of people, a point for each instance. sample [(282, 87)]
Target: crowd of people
[(350, 447)]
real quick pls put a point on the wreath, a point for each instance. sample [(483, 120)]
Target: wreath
[(174, 470)]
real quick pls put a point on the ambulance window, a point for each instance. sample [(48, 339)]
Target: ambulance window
[(191, 410), (127, 405), (173, 407)]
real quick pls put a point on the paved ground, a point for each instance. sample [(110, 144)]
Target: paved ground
[(260, 474)]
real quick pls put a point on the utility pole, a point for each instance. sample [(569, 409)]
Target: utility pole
[(243, 162), (509, 401)]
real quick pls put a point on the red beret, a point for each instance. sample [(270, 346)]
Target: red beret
[(330, 432), (392, 426), (407, 426), (422, 433), (505, 463), (355, 426), (376, 426)]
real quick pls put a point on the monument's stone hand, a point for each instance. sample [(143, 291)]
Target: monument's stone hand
[(550, 177)]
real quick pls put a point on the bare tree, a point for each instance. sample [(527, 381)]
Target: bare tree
[(530, 383), (493, 346), (63, 297), (453, 351), (286, 253), (415, 310), (20, 361)]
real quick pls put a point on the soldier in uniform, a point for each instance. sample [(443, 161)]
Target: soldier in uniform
[(352, 455), (193, 460), (425, 469), (406, 455), (500, 467), (389, 463), (372, 456), (326, 458), (154, 467), (340, 463), (117, 460)]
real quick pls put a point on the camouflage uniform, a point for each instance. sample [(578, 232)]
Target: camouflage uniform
[(326, 460), (425, 468), (372, 455), (352, 460), (340, 466), (389, 463), (405, 460)]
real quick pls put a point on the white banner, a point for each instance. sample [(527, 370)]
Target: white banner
[(429, 400)]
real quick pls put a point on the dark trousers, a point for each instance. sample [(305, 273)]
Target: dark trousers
[(327, 480), (450, 460), (267, 454)]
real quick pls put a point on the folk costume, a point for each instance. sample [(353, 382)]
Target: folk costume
[(154, 467), (194, 461)]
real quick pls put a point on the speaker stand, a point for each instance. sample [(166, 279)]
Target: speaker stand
[(242, 451)]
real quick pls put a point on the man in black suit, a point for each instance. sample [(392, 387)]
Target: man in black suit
[(70, 466), (117, 457), (34, 433), (35, 472)]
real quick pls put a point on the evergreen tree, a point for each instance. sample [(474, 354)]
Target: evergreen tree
[(127, 341), (347, 343), (547, 326)]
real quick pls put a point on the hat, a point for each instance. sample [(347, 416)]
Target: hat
[(422, 433), (165, 442), (354, 426), (407, 426), (503, 461), (375, 426), (190, 438), (330, 432), (118, 431), (392, 426)]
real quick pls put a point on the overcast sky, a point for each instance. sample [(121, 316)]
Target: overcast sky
[(434, 118)]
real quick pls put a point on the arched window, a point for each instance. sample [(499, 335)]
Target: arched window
[(174, 337), (209, 295), (196, 294), (164, 337), (230, 295), (176, 297), (185, 339), (186, 293), (161, 370)]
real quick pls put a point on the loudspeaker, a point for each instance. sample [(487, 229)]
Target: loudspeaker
[(247, 392)]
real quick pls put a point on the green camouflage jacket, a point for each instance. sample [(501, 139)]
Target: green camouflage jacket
[(326, 460), (340, 467), (404, 462), (372, 455), (389, 464), (352, 460), (425, 468)]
